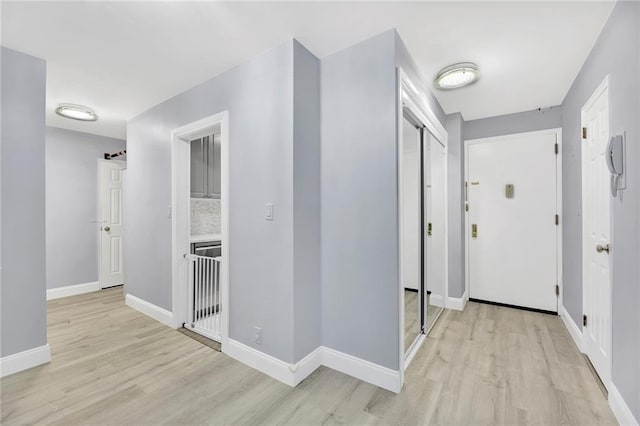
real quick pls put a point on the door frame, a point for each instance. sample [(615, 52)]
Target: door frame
[(559, 228), (123, 166), (407, 93), (181, 218), (602, 87)]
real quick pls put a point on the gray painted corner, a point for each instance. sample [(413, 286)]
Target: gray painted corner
[(454, 124), (307, 333), (72, 180), (23, 288), (259, 98), (359, 208), (615, 54)]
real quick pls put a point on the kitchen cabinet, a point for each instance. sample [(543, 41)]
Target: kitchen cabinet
[(205, 167)]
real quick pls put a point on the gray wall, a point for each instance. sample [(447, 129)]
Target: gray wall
[(519, 122), (23, 301), (359, 201), (615, 54), (265, 276), (454, 124), (306, 192), (72, 204)]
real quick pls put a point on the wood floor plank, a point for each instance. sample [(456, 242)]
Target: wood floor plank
[(486, 365)]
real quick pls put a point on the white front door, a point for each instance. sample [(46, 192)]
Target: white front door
[(110, 205), (596, 234), (512, 236)]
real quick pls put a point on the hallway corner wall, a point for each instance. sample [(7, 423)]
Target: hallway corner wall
[(616, 54), (455, 178), (23, 257)]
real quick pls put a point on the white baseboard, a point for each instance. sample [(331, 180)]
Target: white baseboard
[(436, 300), (24, 360), (72, 290), (366, 371), (620, 408), (292, 374), (307, 365), (572, 327), (414, 350), (457, 303), (262, 362), (149, 309)]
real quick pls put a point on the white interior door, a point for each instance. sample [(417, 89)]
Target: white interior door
[(110, 203), (596, 234), (512, 237)]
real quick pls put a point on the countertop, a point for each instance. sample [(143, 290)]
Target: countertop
[(205, 238)]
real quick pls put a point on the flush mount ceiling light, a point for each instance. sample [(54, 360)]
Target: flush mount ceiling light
[(76, 112), (456, 76)]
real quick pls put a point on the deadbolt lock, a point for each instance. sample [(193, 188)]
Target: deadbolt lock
[(474, 231)]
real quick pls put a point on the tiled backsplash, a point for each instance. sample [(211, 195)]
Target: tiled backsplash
[(205, 216)]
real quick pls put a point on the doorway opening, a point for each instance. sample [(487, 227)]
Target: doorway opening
[(200, 227), (110, 186), (597, 234), (422, 219), (513, 231)]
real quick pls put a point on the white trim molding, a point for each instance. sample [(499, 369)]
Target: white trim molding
[(181, 217), (574, 331), (307, 365), (458, 303), (620, 408), (149, 309), (366, 371), (267, 364), (24, 360), (72, 290), (292, 374)]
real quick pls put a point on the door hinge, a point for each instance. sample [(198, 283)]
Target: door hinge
[(584, 320), (429, 229), (584, 133), (557, 220), (556, 148), (557, 290)]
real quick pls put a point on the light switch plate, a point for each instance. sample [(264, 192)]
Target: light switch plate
[(268, 211)]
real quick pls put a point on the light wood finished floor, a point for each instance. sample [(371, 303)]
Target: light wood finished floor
[(486, 365), (411, 317)]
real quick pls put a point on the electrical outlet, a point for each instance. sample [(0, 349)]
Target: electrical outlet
[(257, 335)]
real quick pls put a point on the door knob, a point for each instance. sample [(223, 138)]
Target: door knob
[(601, 248), (107, 229)]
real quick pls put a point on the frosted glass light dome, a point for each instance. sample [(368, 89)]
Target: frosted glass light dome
[(76, 112), (456, 76)]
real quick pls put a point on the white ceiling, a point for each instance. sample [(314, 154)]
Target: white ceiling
[(121, 58)]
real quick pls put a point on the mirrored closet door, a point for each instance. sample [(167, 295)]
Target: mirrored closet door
[(423, 246), (412, 223), (434, 211)]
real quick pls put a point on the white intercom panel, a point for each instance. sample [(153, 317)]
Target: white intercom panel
[(616, 162)]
